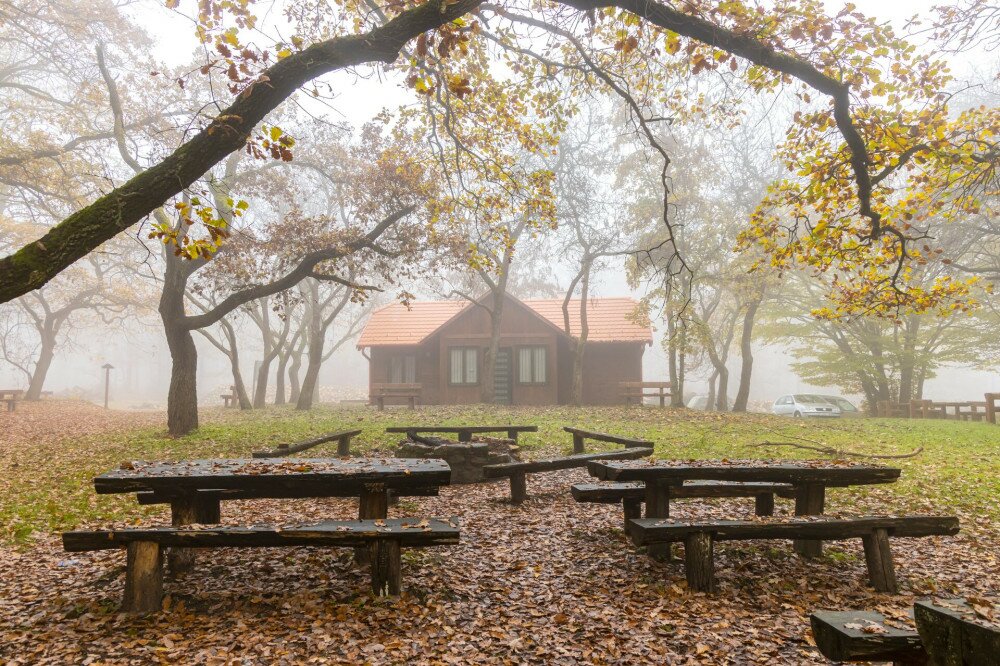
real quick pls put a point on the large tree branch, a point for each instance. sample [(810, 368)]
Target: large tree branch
[(38, 262)]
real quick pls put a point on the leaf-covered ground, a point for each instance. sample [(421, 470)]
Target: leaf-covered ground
[(550, 581)]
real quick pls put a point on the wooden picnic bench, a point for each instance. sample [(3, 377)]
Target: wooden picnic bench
[(518, 471), (632, 495), (144, 563), (699, 539), (464, 433), (641, 390), (948, 631), (230, 399), (580, 436), (408, 392), (11, 397), (343, 439), (992, 401), (968, 410)]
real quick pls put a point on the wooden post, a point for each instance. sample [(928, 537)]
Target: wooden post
[(991, 407), (143, 578), (464, 436), (518, 487), (764, 504), (185, 510), (380, 403), (512, 435), (208, 510), (953, 637), (344, 446), (632, 508), (577, 443), (373, 504), (386, 567), (658, 506), (809, 501), (699, 567), (878, 556), (107, 382)]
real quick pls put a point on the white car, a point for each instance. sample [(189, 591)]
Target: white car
[(805, 405)]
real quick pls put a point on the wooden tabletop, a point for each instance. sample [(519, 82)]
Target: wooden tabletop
[(474, 429), (273, 477), (776, 471)]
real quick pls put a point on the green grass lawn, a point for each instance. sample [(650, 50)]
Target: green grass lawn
[(46, 485)]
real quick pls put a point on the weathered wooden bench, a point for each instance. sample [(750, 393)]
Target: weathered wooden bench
[(518, 471), (230, 399), (144, 564), (207, 506), (954, 632), (992, 401), (343, 439), (641, 390), (699, 538), (408, 392), (11, 397), (865, 636), (580, 436), (464, 433), (632, 495)]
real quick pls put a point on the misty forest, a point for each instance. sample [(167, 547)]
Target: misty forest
[(515, 332)]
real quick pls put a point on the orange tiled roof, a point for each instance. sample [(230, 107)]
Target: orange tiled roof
[(608, 318)]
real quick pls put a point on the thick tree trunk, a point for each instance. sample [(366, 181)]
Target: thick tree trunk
[(182, 396), (279, 379), (672, 356), (677, 394), (260, 390), (580, 343), (311, 379), (746, 355), (295, 385), (45, 355)]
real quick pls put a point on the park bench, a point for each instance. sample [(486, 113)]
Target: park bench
[(464, 433), (641, 390), (865, 636), (343, 439), (230, 399), (968, 410), (580, 436), (518, 471), (699, 538), (408, 392), (144, 564), (11, 397), (632, 495)]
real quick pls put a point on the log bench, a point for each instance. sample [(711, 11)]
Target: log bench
[(144, 563), (464, 433), (408, 392), (700, 537), (518, 471), (580, 436), (641, 390), (207, 502), (953, 632), (864, 636), (342, 438), (230, 399), (632, 495), (11, 397)]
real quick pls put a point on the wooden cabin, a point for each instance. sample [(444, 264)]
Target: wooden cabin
[(440, 346)]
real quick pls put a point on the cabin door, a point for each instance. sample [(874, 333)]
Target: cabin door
[(502, 378)]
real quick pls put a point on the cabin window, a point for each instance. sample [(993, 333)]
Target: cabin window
[(464, 362), (531, 365), (403, 369)]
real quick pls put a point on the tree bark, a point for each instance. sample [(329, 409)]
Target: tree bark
[(234, 364), (295, 389), (46, 353), (746, 355)]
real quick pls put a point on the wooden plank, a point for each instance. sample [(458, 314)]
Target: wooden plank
[(615, 492), (553, 464), (411, 532), (288, 449), (462, 429), (785, 471), (606, 437), (699, 564), (149, 497), (841, 636), (810, 500), (653, 530), (878, 556), (143, 578), (274, 477), (952, 632)]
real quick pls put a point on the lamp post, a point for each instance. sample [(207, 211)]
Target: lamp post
[(107, 381)]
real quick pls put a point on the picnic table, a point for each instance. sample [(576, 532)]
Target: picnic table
[(192, 487), (810, 479), (464, 433)]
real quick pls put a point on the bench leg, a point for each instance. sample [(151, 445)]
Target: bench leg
[(386, 567), (143, 578), (632, 508), (809, 501), (699, 565), (512, 435), (374, 504), (184, 511), (764, 504), (344, 447), (464, 436), (577, 443), (380, 403), (518, 487), (658, 506), (878, 556)]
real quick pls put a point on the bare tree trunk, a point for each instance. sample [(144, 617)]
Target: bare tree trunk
[(488, 387), (746, 354), (279, 379), (293, 372), (677, 391), (580, 343), (45, 355), (234, 365), (182, 396), (710, 400), (309, 383)]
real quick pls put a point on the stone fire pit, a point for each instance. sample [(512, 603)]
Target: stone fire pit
[(466, 459)]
